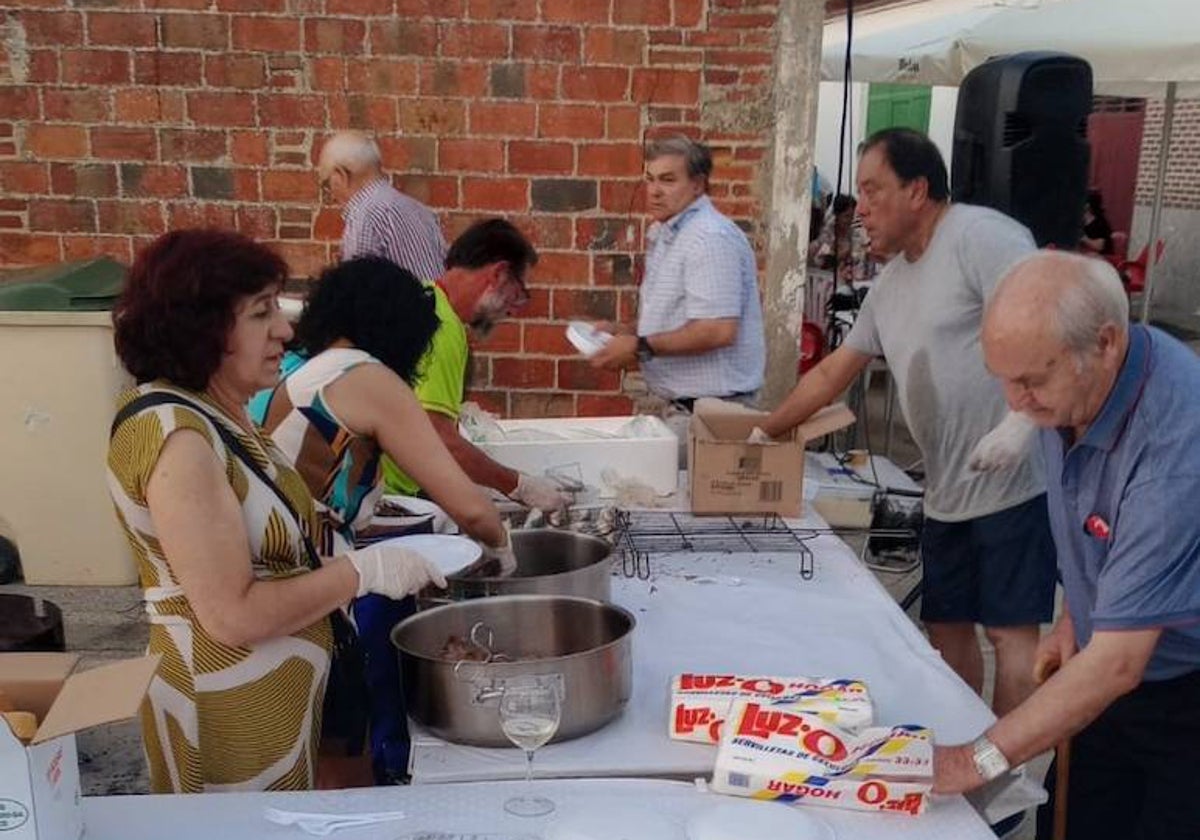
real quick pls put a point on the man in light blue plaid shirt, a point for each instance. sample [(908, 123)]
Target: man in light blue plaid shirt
[(700, 328)]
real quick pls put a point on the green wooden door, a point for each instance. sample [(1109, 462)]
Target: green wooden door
[(897, 106)]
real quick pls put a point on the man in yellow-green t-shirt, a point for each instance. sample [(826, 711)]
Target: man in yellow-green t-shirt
[(483, 284)]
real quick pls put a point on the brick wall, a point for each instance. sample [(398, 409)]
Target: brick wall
[(120, 119), (1182, 189)]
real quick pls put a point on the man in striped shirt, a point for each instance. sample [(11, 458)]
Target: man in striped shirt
[(380, 220)]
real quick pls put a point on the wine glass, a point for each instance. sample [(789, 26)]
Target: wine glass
[(529, 715)]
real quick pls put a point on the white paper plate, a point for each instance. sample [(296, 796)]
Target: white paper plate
[(743, 819), (626, 823), (449, 553), (587, 339)]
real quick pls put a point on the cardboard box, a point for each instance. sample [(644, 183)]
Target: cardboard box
[(728, 475), (39, 782)]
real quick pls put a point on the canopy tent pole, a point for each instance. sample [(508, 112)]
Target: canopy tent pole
[(1160, 180)]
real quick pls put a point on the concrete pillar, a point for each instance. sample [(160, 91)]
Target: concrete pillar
[(795, 94)]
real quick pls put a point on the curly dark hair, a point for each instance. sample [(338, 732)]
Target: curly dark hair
[(173, 319), (376, 305)]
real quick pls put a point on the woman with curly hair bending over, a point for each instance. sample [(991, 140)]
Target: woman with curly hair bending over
[(238, 606)]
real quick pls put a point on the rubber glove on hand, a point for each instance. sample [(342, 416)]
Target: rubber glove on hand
[(541, 493), (757, 435), (503, 555), (393, 572), (1004, 446)]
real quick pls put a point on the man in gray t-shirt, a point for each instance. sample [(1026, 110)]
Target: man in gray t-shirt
[(986, 546)]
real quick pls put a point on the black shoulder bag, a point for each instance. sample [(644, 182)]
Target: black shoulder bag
[(346, 709)]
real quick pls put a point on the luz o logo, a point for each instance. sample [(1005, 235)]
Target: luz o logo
[(758, 722), (13, 815)]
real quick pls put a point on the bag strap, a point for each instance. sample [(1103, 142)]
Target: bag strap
[(139, 404)]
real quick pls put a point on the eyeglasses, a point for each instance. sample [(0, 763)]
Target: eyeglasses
[(514, 289)]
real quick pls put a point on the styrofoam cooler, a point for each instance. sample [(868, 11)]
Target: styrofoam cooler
[(650, 458)]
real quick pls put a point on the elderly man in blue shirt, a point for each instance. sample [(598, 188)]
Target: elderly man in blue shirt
[(700, 329), (1119, 414)]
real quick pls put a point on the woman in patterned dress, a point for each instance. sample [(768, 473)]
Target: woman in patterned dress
[(239, 618)]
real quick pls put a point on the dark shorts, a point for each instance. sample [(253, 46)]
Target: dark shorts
[(997, 570)]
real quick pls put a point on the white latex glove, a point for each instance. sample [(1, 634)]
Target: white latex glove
[(504, 555), (1004, 446), (392, 571), (541, 493), (757, 435)]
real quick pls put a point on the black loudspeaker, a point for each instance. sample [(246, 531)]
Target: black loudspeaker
[(1020, 142)]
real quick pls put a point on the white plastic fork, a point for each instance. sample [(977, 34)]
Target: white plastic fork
[(322, 825)]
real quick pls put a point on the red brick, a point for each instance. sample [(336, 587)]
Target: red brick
[(257, 221), (27, 178), (546, 231), (115, 143), (235, 71), (642, 13), (56, 141), (617, 159), (399, 36), (65, 215), (689, 56), (183, 69), (430, 8), (175, 4), (249, 148), (532, 157), (52, 28), (606, 233), (182, 144), (593, 304), (245, 185), (328, 224), (431, 190), (334, 35), (666, 86), (603, 45), (624, 122), (369, 113), (579, 375), (541, 81), (709, 38), (27, 249), (279, 109), (454, 78), (19, 103), (187, 214), (95, 67), (597, 84), (204, 31), (76, 104), (473, 40), (603, 405), (547, 43), (574, 11), (304, 259), (502, 119), (505, 338), (131, 217), (278, 185), (218, 109), (43, 67), (252, 5), (547, 339), (471, 155), (121, 29), (574, 121), (502, 10), (409, 153), (687, 13), (737, 58), (120, 248), (522, 372), (537, 404), (142, 180), (614, 269), (359, 8), (622, 196), (327, 74), (266, 34), (385, 76), (422, 116), (562, 268), (142, 105), (752, 20), (83, 180), (495, 194)]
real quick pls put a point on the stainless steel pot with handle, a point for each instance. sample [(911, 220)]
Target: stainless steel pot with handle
[(549, 562), (581, 644)]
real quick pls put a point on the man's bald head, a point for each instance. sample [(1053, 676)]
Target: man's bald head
[(348, 160), (1055, 334)]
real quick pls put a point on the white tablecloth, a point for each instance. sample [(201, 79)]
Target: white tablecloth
[(650, 810)]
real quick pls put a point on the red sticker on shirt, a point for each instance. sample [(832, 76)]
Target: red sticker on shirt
[(1097, 527)]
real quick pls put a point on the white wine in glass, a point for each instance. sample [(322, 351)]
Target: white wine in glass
[(529, 715)]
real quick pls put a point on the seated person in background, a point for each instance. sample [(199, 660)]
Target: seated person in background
[(236, 611), (843, 242), (1097, 232), (364, 330), (483, 284)]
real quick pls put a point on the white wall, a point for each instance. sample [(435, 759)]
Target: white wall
[(942, 106)]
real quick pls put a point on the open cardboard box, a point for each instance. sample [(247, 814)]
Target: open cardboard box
[(39, 782), (728, 475)]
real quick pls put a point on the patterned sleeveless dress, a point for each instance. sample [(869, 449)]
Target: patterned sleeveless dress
[(221, 718)]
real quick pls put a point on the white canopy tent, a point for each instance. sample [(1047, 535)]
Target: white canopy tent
[(1148, 48)]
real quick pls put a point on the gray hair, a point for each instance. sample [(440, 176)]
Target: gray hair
[(696, 155), (1095, 298), (354, 150)]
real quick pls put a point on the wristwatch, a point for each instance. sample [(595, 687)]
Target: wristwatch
[(644, 350), (990, 763)]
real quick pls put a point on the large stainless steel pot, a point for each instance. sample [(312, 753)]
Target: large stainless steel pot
[(549, 562), (580, 644)]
